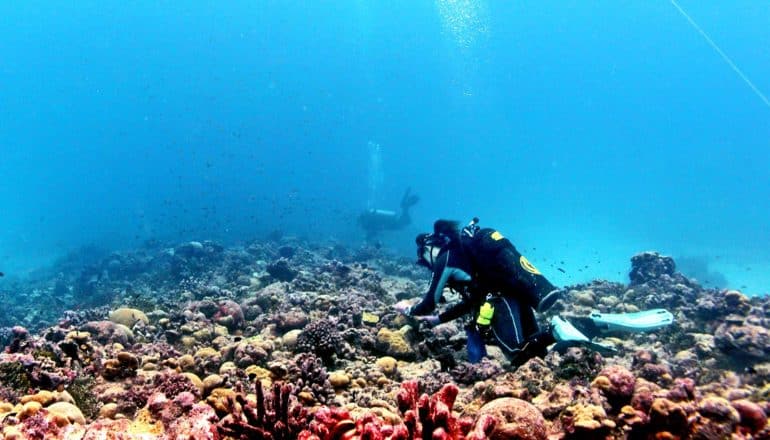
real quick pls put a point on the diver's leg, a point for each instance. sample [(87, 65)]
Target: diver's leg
[(507, 326), (518, 333)]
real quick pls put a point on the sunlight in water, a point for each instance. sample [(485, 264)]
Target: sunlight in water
[(376, 174), (465, 23), (464, 20)]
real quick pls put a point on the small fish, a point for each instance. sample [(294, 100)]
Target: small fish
[(561, 270)]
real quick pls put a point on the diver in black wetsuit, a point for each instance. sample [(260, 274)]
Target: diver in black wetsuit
[(490, 275), (374, 221)]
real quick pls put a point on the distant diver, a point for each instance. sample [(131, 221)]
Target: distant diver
[(374, 221)]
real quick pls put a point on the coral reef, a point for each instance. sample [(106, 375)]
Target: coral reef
[(288, 339)]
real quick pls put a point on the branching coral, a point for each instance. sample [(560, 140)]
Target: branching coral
[(310, 376), (276, 416), (320, 338), (172, 384)]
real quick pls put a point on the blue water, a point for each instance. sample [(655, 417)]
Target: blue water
[(586, 131)]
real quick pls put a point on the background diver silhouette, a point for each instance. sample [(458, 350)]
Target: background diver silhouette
[(374, 221)]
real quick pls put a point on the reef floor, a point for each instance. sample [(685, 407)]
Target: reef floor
[(284, 339)]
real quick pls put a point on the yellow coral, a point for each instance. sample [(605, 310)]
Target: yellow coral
[(128, 317), (42, 397), (195, 380), (257, 372), (220, 399), (339, 379), (67, 413), (29, 409), (387, 364), (395, 343), (370, 318), (186, 362)]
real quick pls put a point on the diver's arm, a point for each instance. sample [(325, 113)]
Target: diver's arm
[(437, 283), (455, 311)]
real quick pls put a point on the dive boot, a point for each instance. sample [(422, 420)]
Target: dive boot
[(563, 330), (598, 323), (567, 336)]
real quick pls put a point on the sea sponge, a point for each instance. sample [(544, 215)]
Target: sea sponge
[(128, 316)]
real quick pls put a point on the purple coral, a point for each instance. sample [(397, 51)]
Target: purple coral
[(321, 338), (172, 385), (309, 374)]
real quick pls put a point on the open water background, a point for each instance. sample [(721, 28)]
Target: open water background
[(585, 131)]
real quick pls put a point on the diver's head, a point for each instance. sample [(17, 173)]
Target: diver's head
[(429, 246)]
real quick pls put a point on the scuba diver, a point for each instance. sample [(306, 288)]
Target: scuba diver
[(501, 289), (374, 221)]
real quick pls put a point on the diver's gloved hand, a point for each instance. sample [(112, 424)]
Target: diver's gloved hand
[(548, 300), (431, 320), (403, 306)]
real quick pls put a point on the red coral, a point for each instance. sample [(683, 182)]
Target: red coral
[(424, 417), (753, 416)]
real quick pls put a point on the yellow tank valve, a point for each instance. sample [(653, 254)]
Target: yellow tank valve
[(485, 314)]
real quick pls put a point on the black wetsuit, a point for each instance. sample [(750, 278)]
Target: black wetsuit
[(476, 268)]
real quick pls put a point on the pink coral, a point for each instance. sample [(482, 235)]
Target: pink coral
[(683, 390), (513, 418), (617, 384), (424, 417), (753, 417)]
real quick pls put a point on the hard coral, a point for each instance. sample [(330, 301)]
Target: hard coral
[(648, 266), (281, 271), (123, 365), (617, 384), (423, 416), (514, 418), (172, 384), (321, 338), (311, 379)]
